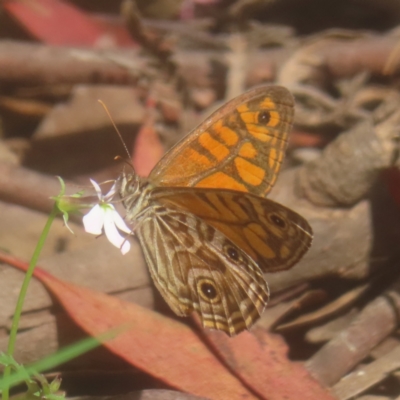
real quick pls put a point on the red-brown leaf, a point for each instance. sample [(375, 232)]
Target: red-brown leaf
[(148, 148), (59, 23), (260, 360)]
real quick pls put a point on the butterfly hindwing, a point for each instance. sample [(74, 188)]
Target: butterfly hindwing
[(196, 268), (272, 234)]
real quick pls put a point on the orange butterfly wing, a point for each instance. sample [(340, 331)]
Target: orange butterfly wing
[(240, 147), (271, 234)]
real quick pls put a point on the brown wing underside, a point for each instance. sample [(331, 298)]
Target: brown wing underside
[(194, 274)]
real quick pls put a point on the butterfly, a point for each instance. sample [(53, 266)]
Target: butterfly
[(206, 230)]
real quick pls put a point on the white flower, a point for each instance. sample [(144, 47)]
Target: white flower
[(104, 215)]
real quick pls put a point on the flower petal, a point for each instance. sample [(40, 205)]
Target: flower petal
[(110, 194), (121, 225), (93, 221), (125, 247), (110, 228), (97, 188)]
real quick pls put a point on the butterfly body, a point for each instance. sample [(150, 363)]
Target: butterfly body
[(206, 233)]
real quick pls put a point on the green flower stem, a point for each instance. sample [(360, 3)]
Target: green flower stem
[(22, 293)]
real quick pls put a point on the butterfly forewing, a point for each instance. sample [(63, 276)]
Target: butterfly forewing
[(196, 268), (271, 234), (240, 147)]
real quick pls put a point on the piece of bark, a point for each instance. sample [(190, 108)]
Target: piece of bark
[(22, 186), (376, 321), (324, 333), (82, 127), (385, 347), (90, 264), (370, 375), (7, 156), (20, 229), (28, 108), (83, 113), (276, 313), (115, 379), (325, 311), (339, 54), (374, 397), (34, 190), (34, 343), (45, 339), (36, 64), (317, 111), (349, 166)]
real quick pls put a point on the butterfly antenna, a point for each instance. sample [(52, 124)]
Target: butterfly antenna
[(119, 158), (115, 127)]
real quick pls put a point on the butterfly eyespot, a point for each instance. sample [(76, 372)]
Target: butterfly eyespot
[(207, 290), (232, 253), (264, 117), (278, 221)]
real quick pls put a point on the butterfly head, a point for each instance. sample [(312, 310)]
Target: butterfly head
[(134, 192)]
